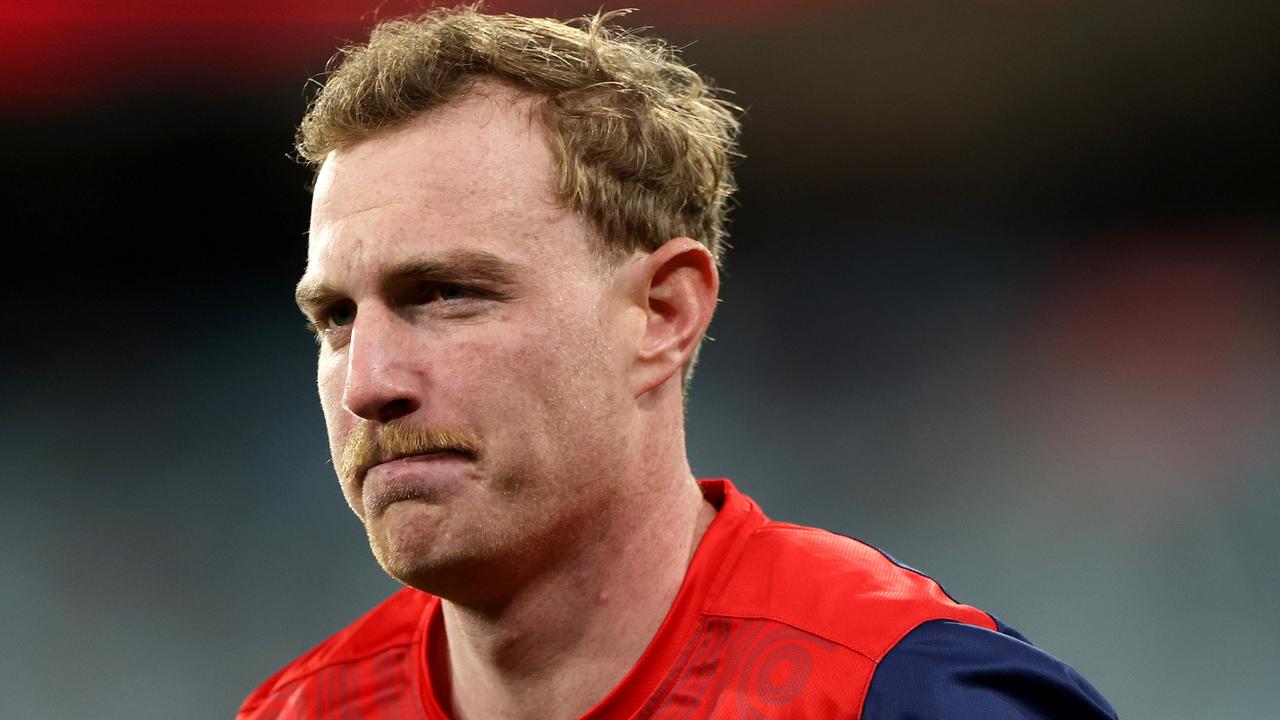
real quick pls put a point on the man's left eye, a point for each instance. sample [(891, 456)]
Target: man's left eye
[(446, 292), (449, 293)]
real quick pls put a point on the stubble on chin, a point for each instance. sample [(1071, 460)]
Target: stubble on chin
[(422, 545)]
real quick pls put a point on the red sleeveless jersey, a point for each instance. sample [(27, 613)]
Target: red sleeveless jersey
[(773, 621)]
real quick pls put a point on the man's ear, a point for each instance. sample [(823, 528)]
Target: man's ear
[(676, 286)]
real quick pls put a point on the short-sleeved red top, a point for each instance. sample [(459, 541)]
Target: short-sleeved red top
[(772, 621)]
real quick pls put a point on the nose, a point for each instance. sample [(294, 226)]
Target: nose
[(383, 381)]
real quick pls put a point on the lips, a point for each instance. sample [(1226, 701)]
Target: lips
[(427, 477), (363, 470)]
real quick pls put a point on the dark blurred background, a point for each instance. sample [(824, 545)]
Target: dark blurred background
[(1003, 301)]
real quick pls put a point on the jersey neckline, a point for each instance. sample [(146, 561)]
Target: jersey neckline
[(737, 517)]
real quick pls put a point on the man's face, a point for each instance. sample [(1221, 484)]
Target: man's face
[(466, 323)]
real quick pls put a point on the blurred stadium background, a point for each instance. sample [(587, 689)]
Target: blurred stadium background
[(1003, 301)]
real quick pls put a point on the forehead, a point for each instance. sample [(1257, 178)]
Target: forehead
[(476, 173)]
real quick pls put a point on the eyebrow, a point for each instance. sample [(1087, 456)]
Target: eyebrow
[(457, 266)]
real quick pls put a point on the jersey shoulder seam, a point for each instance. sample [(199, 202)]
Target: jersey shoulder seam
[(790, 624), (295, 679)]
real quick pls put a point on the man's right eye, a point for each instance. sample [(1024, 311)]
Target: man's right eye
[(340, 314)]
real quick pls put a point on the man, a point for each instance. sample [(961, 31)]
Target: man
[(513, 259)]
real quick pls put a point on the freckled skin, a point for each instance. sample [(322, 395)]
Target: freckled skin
[(559, 545), (535, 374)]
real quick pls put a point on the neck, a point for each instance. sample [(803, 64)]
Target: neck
[(566, 639)]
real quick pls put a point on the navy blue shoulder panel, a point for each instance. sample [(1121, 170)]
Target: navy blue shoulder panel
[(945, 670)]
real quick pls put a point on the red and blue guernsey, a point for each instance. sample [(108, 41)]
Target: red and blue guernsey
[(773, 621)]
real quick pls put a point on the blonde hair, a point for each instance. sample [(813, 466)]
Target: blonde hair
[(642, 143)]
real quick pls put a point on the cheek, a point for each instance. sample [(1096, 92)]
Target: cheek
[(330, 377), (565, 372), (527, 371)]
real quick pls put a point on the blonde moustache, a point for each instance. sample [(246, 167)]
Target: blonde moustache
[(367, 446)]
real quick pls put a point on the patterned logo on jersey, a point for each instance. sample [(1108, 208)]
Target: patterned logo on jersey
[(745, 669), (375, 688)]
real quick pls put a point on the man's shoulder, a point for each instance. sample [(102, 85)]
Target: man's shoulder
[(977, 674), (834, 587), (393, 624)]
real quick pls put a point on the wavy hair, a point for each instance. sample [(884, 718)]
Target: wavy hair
[(642, 144)]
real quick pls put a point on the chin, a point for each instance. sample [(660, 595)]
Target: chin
[(425, 568), (416, 551)]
